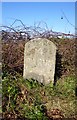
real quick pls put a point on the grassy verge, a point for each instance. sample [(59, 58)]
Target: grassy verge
[(27, 99)]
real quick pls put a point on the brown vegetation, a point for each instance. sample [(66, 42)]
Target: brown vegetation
[(13, 56)]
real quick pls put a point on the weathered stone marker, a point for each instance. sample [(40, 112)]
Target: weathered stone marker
[(39, 60)]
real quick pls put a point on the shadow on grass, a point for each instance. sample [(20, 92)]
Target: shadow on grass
[(58, 69)]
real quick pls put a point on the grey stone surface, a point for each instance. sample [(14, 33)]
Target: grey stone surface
[(39, 60)]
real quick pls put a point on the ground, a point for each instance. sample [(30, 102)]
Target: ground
[(27, 99)]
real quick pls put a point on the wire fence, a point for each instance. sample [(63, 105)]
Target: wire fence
[(23, 32)]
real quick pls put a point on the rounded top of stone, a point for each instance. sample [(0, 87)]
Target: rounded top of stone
[(42, 40)]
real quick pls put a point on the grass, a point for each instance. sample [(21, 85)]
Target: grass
[(30, 100), (0, 97)]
